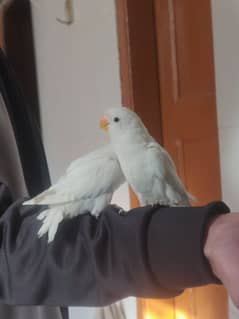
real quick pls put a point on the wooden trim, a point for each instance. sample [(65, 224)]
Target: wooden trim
[(124, 54), (138, 61), (139, 71)]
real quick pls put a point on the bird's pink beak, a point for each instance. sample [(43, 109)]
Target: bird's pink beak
[(104, 123)]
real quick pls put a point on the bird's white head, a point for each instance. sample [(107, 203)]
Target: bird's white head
[(121, 122)]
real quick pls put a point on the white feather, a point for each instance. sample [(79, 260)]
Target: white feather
[(87, 186), (147, 166)]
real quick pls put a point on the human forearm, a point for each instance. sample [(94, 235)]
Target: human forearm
[(222, 250)]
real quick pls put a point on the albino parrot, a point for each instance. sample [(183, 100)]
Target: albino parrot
[(87, 186), (147, 166)]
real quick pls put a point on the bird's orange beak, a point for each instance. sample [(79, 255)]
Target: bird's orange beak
[(104, 123)]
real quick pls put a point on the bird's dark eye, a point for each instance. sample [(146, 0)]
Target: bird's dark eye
[(116, 119)]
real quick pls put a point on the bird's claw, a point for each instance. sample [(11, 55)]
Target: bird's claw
[(122, 212), (158, 203)]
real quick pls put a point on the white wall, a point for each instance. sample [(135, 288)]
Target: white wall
[(226, 44), (78, 75)]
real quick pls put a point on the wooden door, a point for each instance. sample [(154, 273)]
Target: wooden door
[(167, 74), (189, 120), (188, 103)]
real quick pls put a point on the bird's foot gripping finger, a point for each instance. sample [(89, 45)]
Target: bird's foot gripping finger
[(122, 212), (158, 203)]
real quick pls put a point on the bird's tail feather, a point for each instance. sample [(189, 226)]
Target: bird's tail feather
[(38, 199), (51, 218)]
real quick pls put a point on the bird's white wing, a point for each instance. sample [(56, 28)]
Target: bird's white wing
[(84, 160), (159, 160), (165, 170), (89, 177)]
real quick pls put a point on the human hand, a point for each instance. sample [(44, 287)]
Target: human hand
[(221, 248)]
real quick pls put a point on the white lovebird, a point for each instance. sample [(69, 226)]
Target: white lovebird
[(147, 166), (87, 186)]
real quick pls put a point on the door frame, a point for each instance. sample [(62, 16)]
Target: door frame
[(139, 62), (138, 58)]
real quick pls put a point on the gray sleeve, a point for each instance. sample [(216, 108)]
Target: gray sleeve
[(94, 262)]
